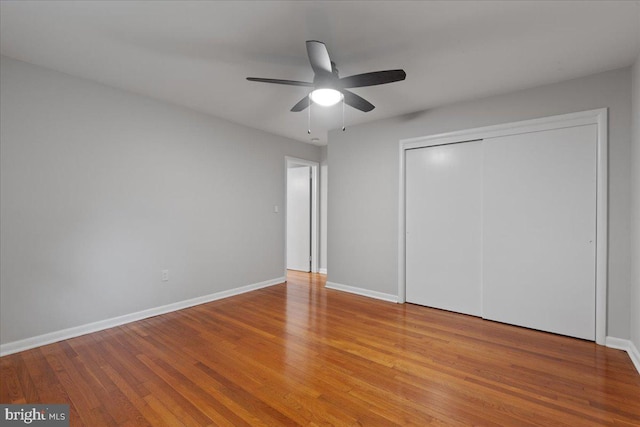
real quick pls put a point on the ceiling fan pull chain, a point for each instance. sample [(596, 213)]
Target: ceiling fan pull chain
[(309, 118), (343, 128)]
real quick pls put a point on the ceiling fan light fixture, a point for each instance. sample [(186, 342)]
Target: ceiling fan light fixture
[(326, 97)]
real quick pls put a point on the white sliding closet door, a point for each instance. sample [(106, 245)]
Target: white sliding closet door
[(539, 230), (443, 226)]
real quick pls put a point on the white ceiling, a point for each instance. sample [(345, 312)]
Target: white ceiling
[(197, 53)]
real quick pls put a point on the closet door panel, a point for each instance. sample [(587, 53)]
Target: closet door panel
[(443, 226), (539, 230)]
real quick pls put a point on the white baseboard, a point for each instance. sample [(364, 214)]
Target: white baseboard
[(628, 346), (361, 291), (51, 337), (322, 271)]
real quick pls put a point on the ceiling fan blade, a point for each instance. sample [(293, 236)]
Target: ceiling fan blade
[(374, 78), (357, 101), (302, 104), (318, 57), (280, 82)]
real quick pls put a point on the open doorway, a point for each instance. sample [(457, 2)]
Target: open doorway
[(301, 215)]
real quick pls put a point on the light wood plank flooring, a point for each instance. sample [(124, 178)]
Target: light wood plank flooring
[(299, 354)]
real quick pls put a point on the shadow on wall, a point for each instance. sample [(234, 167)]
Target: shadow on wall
[(410, 117)]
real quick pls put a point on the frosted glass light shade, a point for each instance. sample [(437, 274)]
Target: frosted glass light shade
[(326, 97)]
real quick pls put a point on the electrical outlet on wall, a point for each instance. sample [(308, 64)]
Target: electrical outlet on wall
[(164, 275)]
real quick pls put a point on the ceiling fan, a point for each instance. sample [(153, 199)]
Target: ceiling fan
[(328, 87)]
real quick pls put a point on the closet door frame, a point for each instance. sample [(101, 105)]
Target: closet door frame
[(599, 117)]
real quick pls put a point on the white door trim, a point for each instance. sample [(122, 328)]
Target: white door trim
[(315, 167), (598, 117)]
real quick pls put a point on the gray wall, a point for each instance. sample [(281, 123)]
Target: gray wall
[(102, 189), (363, 189), (635, 210)]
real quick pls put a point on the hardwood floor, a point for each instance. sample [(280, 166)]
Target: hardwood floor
[(299, 354)]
